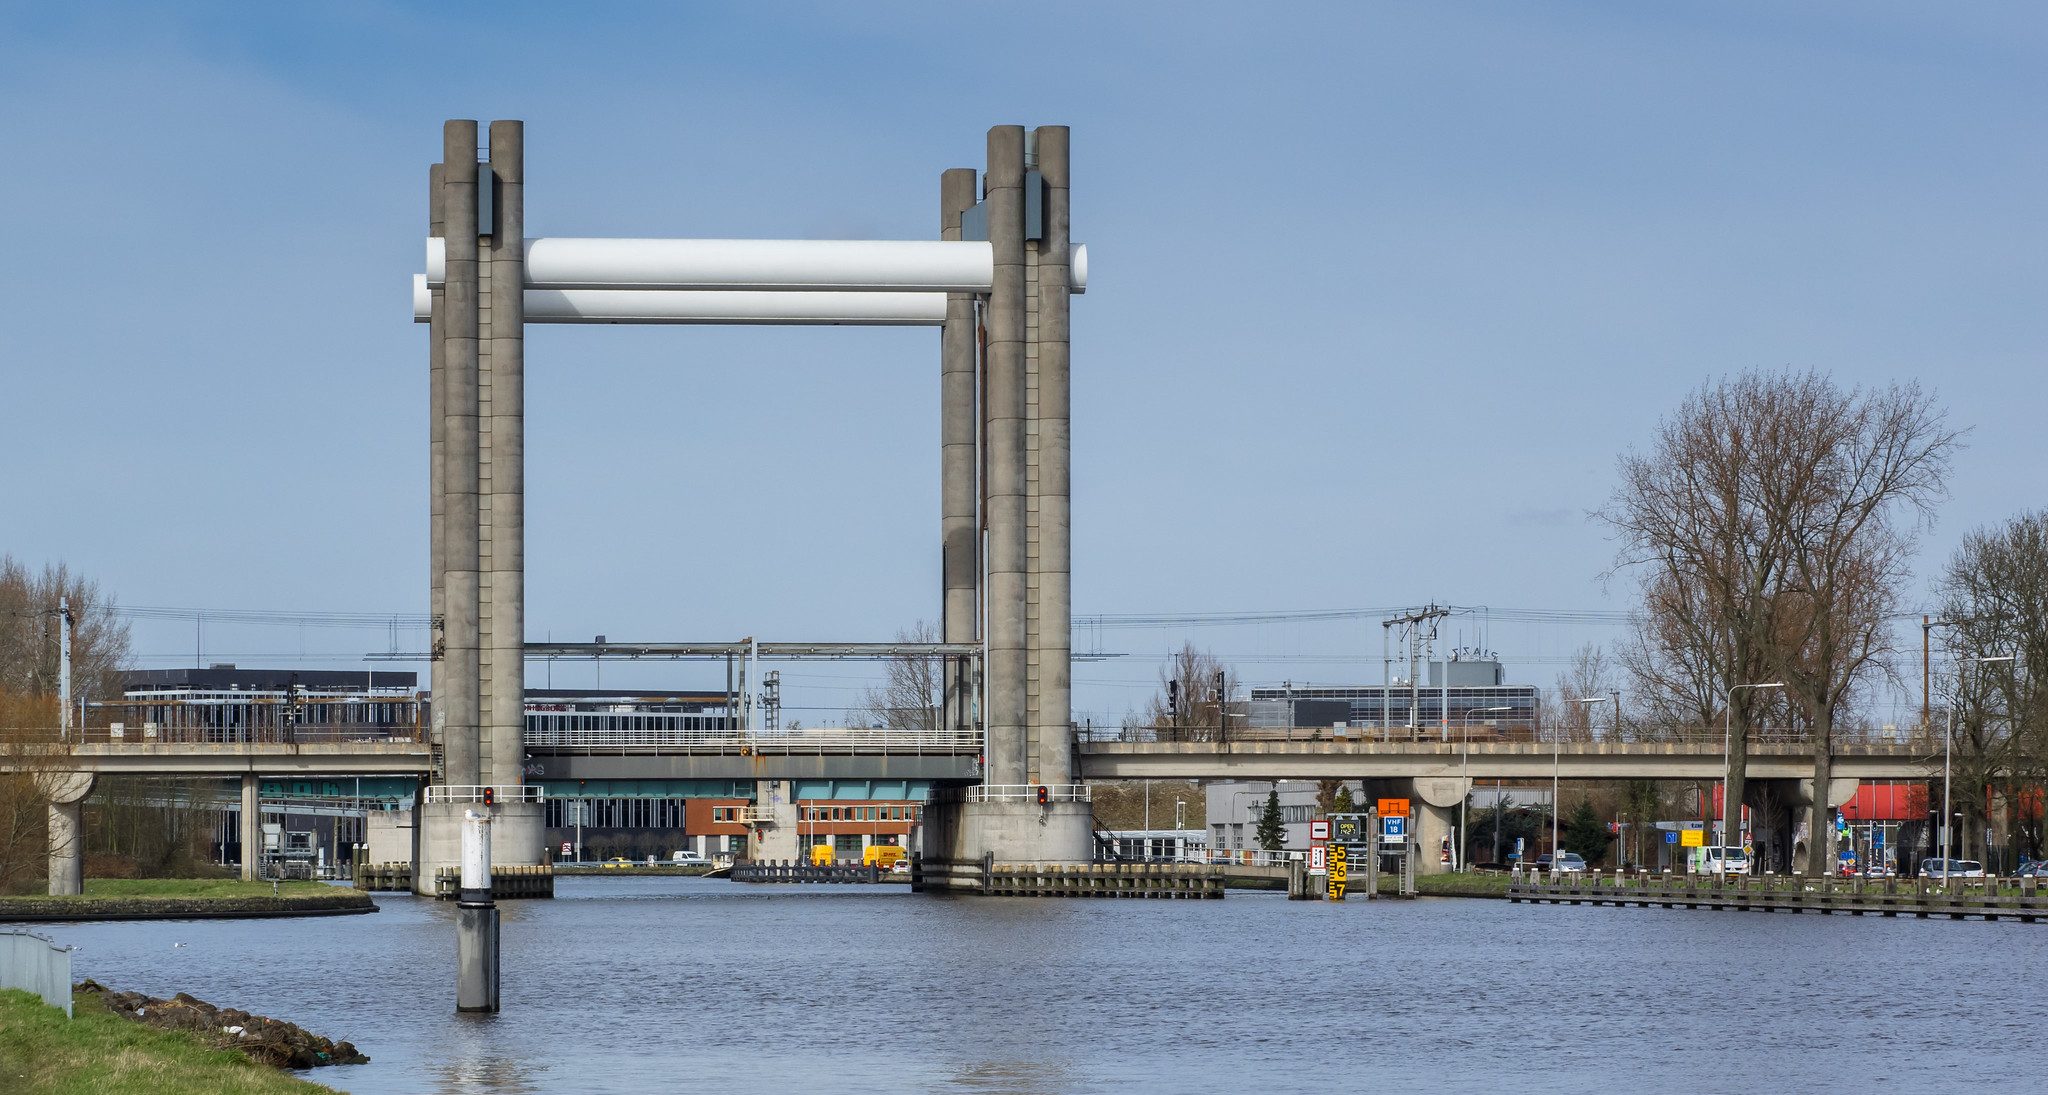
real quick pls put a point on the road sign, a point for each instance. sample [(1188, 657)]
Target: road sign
[(1318, 859), (1671, 836), (1693, 838), (568, 848), (1319, 830), (1348, 828), (1393, 829), (1393, 807)]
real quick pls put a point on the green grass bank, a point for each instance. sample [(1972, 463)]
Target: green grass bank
[(1468, 884), (186, 898), (42, 1053)]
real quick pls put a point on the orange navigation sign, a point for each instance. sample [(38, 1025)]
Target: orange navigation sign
[(1393, 807)]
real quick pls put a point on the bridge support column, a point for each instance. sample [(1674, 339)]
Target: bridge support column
[(1435, 802), (66, 792), (522, 825), (780, 837), (1012, 831), (252, 826), (959, 475)]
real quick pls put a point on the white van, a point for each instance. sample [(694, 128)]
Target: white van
[(1725, 861)]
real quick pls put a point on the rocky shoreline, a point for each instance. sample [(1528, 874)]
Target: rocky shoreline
[(264, 1040)]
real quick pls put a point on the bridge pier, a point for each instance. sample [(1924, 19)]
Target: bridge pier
[(66, 792), (251, 826), (1435, 802), (523, 825)]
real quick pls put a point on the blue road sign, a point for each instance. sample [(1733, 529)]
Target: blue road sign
[(1671, 836)]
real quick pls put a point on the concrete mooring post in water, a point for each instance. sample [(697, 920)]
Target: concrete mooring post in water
[(476, 921)]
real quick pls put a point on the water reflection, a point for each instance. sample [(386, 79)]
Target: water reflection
[(629, 985)]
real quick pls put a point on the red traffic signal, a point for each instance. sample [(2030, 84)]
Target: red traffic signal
[(1044, 795), (490, 796)]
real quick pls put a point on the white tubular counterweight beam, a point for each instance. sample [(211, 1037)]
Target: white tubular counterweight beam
[(853, 266), (715, 307)]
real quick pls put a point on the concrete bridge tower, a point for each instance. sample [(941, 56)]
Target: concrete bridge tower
[(1024, 213)]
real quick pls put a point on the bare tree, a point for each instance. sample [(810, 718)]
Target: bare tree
[(1994, 595), (1771, 522), (29, 662), (1590, 676), (1187, 706), (913, 694)]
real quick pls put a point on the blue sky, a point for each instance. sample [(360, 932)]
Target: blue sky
[(1378, 293)]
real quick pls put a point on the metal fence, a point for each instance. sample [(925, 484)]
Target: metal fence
[(1710, 737), (547, 734), (36, 964)]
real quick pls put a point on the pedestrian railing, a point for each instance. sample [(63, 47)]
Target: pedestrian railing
[(1025, 792), (545, 734), (475, 792)]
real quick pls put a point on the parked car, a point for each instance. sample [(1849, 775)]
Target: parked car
[(1951, 868), (617, 861), (1566, 861), (1728, 860), (2036, 869), (687, 859)]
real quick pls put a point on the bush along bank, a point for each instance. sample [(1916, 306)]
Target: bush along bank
[(267, 1041)]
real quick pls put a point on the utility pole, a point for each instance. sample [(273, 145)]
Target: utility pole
[(771, 702), (65, 623), (1410, 624)]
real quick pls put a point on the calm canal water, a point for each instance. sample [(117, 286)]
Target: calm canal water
[(658, 984)]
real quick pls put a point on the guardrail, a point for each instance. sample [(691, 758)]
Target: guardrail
[(1024, 792), (1704, 737), (305, 734), (725, 743), (474, 792)]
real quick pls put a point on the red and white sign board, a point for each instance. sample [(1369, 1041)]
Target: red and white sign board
[(568, 848), (1319, 830), (1318, 859)]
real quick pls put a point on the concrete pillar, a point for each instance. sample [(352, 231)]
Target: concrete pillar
[(1434, 817), (505, 683), (1051, 504), (437, 482), (1004, 408), (252, 827), (959, 470), (456, 679), (66, 793), (779, 838)]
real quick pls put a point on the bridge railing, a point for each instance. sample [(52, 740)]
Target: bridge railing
[(1712, 738), (821, 742), (300, 734)]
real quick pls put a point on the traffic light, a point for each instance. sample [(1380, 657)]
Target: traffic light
[(490, 796), (1173, 697), (1044, 795)]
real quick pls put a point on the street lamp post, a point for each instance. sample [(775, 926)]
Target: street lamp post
[(1947, 749), (1728, 765), (1465, 773), (1554, 803)]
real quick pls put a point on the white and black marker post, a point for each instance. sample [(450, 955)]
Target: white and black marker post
[(476, 921)]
